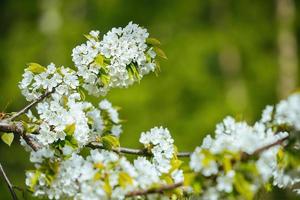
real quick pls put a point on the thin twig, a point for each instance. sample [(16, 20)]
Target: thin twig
[(30, 105), (141, 152), (9, 185), (154, 190), (260, 150), (278, 142)]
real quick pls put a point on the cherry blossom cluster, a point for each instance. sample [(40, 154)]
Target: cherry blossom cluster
[(101, 175), (233, 140), (122, 57), (236, 161)]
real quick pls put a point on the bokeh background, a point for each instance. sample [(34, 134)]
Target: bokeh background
[(225, 57)]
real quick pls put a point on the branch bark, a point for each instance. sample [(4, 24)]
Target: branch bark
[(30, 105), (17, 128), (155, 190), (140, 152), (9, 185)]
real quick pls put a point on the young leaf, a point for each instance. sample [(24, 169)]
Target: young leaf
[(125, 179), (35, 68), (69, 130), (160, 53), (153, 41), (82, 94), (34, 180), (110, 141), (99, 60), (243, 186), (7, 138)]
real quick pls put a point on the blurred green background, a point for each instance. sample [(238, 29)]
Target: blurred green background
[(226, 57)]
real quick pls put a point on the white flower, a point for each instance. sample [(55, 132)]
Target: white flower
[(211, 194), (147, 173), (177, 176), (267, 114), (224, 183), (162, 149), (288, 111), (200, 163)]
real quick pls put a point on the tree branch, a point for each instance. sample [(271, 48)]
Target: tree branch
[(17, 128), (173, 186), (264, 148), (9, 185), (30, 105), (154, 190), (141, 152)]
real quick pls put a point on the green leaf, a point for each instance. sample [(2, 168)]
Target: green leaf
[(175, 163), (110, 141), (82, 94), (243, 186), (153, 41), (7, 138), (35, 68), (157, 67), (34, 180), (99, 60), (104, 79), (227, 163), (70, 129), (133, 72), (189, 178), (160, 53), (167, 178), (125, 179)]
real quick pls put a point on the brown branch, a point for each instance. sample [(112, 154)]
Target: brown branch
[(9, 185), (140, 152), (30, 105), (160, 189), (17, 128), (258, 151), (262, 149)]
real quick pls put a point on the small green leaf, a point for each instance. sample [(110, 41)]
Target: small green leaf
[(160, 53), (104, 79), (133, 72), (7, 138), (110, 141), (157, 67), (35, 68), (125, 179), (88, 36), (167, 178), (69, 129), (175, 163), (243, 186), (99, 60), (153, 41), (34, 180), (82, 94)]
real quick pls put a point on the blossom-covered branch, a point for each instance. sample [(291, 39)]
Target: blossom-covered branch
[(75, 147), (139, 152)]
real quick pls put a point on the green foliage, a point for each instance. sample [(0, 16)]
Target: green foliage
[(110, 141), (35, 68), (7, 138)]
